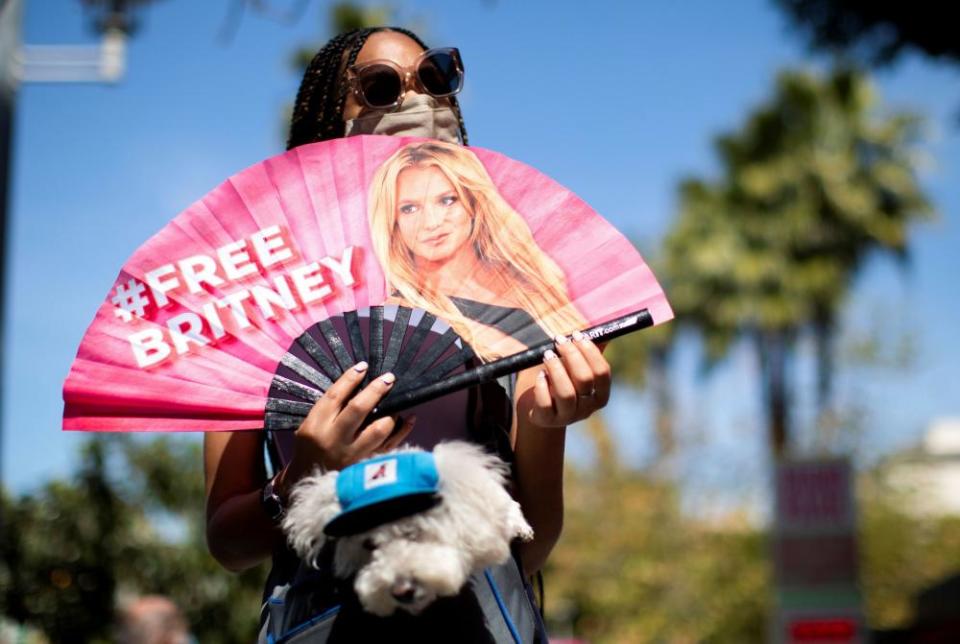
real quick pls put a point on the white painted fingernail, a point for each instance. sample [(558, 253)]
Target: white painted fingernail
[(561, 339), (542, 375), (360, 367), (549, 355), (578, 336), (388, 378)]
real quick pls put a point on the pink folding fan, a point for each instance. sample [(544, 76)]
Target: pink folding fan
[(449, 266)]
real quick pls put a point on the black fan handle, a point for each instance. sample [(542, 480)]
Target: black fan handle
[(492, 370)]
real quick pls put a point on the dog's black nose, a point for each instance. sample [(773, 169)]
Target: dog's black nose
[(404, 591)]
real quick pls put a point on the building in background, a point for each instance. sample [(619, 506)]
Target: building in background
[(929, 473)]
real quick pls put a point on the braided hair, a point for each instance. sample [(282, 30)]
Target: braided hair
[(318, 112)]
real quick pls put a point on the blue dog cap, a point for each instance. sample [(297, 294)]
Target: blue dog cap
[(383, 489)]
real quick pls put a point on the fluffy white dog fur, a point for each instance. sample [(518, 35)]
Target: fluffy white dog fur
[(408, 563)]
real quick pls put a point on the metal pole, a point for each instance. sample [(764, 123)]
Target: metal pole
[(47, 64), (11, 12)]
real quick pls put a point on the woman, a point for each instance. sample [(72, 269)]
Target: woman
[(242, 504), (450, 244)]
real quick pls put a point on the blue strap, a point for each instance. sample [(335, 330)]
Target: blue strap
[(305, 625), (503, 607)]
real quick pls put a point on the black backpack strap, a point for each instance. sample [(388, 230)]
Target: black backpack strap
[(490, 417)]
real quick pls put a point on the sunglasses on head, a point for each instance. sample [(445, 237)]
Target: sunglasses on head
[(381, 84)]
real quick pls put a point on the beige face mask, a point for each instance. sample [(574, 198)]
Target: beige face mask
[(419, 115)]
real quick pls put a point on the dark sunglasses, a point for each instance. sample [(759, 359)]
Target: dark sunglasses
[(381, 84)]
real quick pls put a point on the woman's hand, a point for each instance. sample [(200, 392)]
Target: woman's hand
[(331, 435), (239, 532), (573, 383)]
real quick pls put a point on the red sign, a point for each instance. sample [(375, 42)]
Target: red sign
[(823, 630), (814, 495), (816, 560), (815, 553)]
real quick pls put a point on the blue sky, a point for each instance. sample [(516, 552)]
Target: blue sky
[(617, 103)]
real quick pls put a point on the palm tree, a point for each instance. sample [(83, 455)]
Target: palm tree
[(813, 183)]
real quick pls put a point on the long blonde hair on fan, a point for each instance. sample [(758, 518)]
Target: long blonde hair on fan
[(499, 236)]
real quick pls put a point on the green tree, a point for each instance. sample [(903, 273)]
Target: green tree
[(130, 523), (812, 184), (165, 483), (632, 567), (59, 562), (902, 552)]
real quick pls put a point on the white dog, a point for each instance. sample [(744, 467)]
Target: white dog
[(411, 526)]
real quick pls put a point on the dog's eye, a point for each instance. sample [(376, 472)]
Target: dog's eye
[(369, 544), (411, 533)]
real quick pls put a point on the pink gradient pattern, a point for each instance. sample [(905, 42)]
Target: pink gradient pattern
[(318, 195)]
